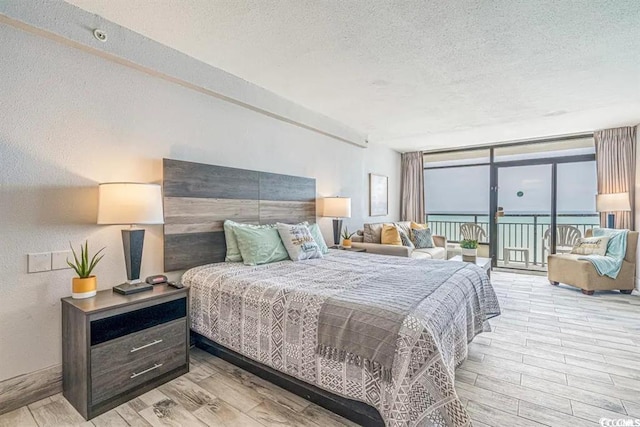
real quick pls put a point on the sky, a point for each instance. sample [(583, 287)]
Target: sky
[(522, 189)]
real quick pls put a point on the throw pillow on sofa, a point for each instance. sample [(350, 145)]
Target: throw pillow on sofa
[(406, 240), (390, 236), (422, 238), (591, 246)]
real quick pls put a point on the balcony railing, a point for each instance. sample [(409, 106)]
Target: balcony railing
[(514, 230)]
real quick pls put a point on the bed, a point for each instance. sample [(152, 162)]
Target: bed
[(272, 319)]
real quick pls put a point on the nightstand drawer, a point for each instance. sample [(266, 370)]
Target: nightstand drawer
[(111, 383), (120, 325), (116, 353)]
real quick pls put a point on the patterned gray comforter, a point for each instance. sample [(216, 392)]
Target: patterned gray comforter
[(270, 314)]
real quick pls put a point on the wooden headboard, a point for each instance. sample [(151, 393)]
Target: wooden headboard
[(198, 198)]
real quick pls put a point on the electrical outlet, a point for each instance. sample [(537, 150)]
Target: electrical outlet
[(59, 260), (39, 262)]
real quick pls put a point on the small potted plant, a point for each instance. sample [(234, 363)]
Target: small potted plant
[(469, 249), (85, 285), (346, 238)]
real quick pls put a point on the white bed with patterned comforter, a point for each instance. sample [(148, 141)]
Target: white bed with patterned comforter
[(270, 313)]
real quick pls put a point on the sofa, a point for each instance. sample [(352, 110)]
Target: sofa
[(568, 269), (369, 239)]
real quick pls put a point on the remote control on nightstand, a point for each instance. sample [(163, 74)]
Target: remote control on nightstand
[(176, 285)]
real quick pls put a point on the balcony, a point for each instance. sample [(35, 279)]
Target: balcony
[(514, 230)]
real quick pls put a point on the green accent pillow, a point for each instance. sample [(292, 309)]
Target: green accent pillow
[(317, 236), (233, 251), (260, 245)]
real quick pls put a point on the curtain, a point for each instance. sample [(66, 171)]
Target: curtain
[(616, 166), (412, 187)]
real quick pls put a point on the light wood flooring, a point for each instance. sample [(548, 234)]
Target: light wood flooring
[(555, 358)]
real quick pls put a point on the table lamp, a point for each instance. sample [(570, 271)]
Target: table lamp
[(132, 204), (611, 203), (338, 208)]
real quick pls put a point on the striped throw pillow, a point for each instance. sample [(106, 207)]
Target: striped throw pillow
[(406, 241)]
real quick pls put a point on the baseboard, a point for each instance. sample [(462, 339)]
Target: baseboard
[(28, 388)]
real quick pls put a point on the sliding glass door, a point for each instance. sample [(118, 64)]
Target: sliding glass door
[(522, 201), (542, 207), (523, 215)]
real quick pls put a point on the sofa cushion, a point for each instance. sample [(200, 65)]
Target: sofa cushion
[(433, 253), (406, 240), (420, 255), (372, 232), (416, 226), (422, 238), (390, 236), (404, 226)]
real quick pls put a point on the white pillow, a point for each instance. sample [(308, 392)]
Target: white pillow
[(591, 246), (298, 241)]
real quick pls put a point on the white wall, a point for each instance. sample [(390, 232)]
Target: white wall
[(71, 119)]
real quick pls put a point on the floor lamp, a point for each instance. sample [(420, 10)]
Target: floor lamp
[(129, 203), (611, 203), (337, 208)]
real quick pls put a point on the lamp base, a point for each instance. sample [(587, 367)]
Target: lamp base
[(132, 242), (337, 228), (611, 220)]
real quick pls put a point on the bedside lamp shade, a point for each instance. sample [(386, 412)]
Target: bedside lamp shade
[(337, 207), (129, 203), (613, 202), (134, 204)]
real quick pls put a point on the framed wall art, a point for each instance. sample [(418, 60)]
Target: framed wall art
[(378, 195)]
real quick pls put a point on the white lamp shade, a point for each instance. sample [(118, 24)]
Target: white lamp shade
[(613, 202), (129, 203), (337, 207)]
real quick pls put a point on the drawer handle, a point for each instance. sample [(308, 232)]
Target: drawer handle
[(137, 374), (134, 349)]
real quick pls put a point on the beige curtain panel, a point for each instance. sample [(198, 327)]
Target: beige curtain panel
[(616, 165), (412, 187)]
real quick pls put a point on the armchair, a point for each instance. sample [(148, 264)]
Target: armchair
[(568, 269)]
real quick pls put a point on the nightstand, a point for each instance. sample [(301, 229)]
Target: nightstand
[(342, 248), (116, 347)]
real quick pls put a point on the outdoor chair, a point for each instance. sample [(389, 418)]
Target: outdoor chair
[(566, 238), (472, 231)]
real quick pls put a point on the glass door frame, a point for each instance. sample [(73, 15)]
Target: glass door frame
[(494, 189)]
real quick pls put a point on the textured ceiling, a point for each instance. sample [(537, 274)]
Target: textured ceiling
[(418, 74)]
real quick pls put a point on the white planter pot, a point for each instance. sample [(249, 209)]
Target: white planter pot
[(469, 254)]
